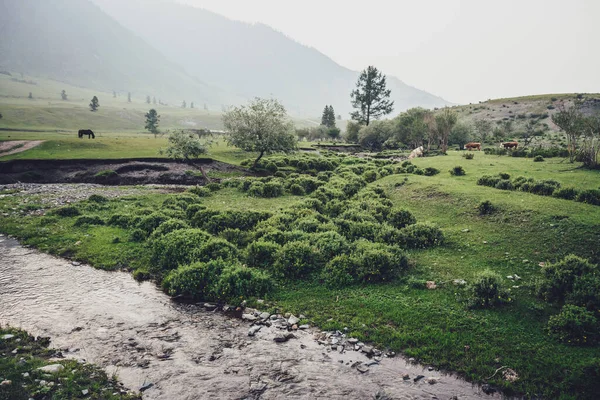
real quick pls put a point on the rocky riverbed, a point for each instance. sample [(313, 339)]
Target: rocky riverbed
[(169, 350)]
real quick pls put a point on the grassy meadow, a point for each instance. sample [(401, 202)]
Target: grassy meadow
[(434, 326)]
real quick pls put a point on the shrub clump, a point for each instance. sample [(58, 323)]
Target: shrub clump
[(486, 291), (469, 156), (262, 254), (430, 171), (68, 211), (574, 325), (88, 220), (486, 207), (457, 171), (538, 159), (176, 248), (296, 259), (559, 278), (96, 198), (421, 236), (400, 218), (590, 196), (200, 191), (566, 193)]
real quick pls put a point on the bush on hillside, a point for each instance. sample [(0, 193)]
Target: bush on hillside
[(421, 236), (574, 325), (88, 220), (96, 198), (297, 260), (169, 226), (558, 278), (200, 191), (176, 248), (590, 196), (566, 193), (538, 159), (67, 211), (400, 218), (486, 207), (430, 171), (457, 171), (486, 291), (262, 254)]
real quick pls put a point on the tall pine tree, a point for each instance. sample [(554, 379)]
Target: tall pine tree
[(371, 97), (328, 117)]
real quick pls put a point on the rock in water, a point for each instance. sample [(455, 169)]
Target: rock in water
[(52, 368)]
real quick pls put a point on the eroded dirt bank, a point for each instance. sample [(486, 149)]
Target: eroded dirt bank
[(185, 351)]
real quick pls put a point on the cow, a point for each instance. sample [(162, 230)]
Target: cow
[(418, 152), (473, 145), (88, 132), (510, 145)]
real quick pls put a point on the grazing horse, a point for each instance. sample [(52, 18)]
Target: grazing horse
[(473, 145), (510, 145), (88, 132)]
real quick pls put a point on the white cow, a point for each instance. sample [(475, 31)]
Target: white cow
[(418, 152)]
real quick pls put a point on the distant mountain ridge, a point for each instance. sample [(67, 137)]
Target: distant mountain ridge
[(251, 59), (74, 41)]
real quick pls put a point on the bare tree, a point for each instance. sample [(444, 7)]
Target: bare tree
[(444, 123), (570, 121)]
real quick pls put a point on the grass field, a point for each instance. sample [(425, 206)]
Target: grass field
[(433, 326)]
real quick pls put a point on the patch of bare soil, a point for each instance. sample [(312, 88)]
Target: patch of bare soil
[(17, 146), (112, 172)]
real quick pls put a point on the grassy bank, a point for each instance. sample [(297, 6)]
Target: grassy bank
[(434, 326), (22, 354)]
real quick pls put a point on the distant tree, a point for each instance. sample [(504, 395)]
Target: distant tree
[(498, 133), (530, 131), (184, 146), (148, 100), (30, 95), (339, 117), (152, 119), (591, 141), (411, 127), (94, 104), (444, 122), (483, 128), (328, 117), (508, 128), (192, 104), (334, 133), (114, 94), (129, 97), (371, 97), (570, 120), (262, 126), (374, 136), (461, 134), (154, 100), (63, 95), (184, 104), (352, 132)]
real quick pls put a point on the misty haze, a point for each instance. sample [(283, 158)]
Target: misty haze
[(242, 199)]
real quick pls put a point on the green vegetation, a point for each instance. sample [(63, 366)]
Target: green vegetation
[(27, 381), (344, 240)]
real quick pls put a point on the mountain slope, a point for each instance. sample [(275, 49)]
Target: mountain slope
[(74, 41), (253, 60)]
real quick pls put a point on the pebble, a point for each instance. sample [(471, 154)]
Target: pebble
[(249, 317), (292, 320), (85, 392), (418, 378), (264, 315), (283, 338), (253, 330), (303, 327), (352, 340), (362, 369), (8, 336), (432, 381), (406, 377), (210, 306)]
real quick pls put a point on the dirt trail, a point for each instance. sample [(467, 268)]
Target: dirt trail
[(17, 146), (185, 351)]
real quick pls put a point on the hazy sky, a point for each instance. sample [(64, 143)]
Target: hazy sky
[(462, 50)]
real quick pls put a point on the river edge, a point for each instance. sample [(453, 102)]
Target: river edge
[(140, 334)]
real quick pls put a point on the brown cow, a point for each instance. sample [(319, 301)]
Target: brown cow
[(510, 145), (473, 145)]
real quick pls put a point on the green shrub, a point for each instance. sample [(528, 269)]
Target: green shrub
[(538, 159), (262, 254), (88, 220), (421, 236), (430, 171), (196, 281), (488, 180), (123, 220), (176, 248), (239, 282), (138, 235), (486, 207), (486, 290), (216, 248), (411, 168), (214, 186), (67, 211), (566, 193), (96, 198), (370, 175), (339, 272), (504, 175), (358, 230), (105, 176), (169, 226), (558, 278), (469, 156), (215, 222), (271, 167), (542, 188), (574, 325), (590, 196), (457, 171), (400, 218), (296, 259), (272, 189), (193, 209), (297, 190), (504, 184), (236, 236), (586, 293), (150, 222), (330, 244), (256, 189), (375, 262), (200, 191), (418, 171)]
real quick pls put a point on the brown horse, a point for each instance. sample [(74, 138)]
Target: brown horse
[(472, 146), (510, 145)]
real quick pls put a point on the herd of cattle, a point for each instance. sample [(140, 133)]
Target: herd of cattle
[(506, 145)]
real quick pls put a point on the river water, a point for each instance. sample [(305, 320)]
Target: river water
[(133, 329)]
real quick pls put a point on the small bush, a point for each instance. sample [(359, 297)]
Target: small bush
[(488, 180), (123, 220), (504, 175), (370, 176), (96, 198), (214, 186), (430, 171), (586, 293), (88, 220), (169, 226), (239, 282), (296, 259), (574, 325), (504, 184), (256, 189), (421, 236), (272, 189), (418, 171), (558, 278), (400, 218), (176, 248), (566, 193), (339, 272), (236, 236), (297, 190), (330, 244), (106, 175), (200, 191), (590, 196), (457, 171), (538, 159), (196, 281), (68, 211), (138, 235), (150, 222), (376, 262), (486, 207), (216, 248), (271, 167), (469, 156), (261, 254), (486, 291)]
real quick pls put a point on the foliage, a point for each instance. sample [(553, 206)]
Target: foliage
[(176, 248), (94, 104), (565, 193), (421, 236), (574, 325), (371, 96), (296, 259), (88, 220), (538, 159), (261, 254), (262, 126), (184, 145), (457, 171), (444, 123), (328, 118), (152, 120), (469, 156), (486, 207), (558, 278), (486, 291), (352, 132), (590, 196), (399, 218)]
